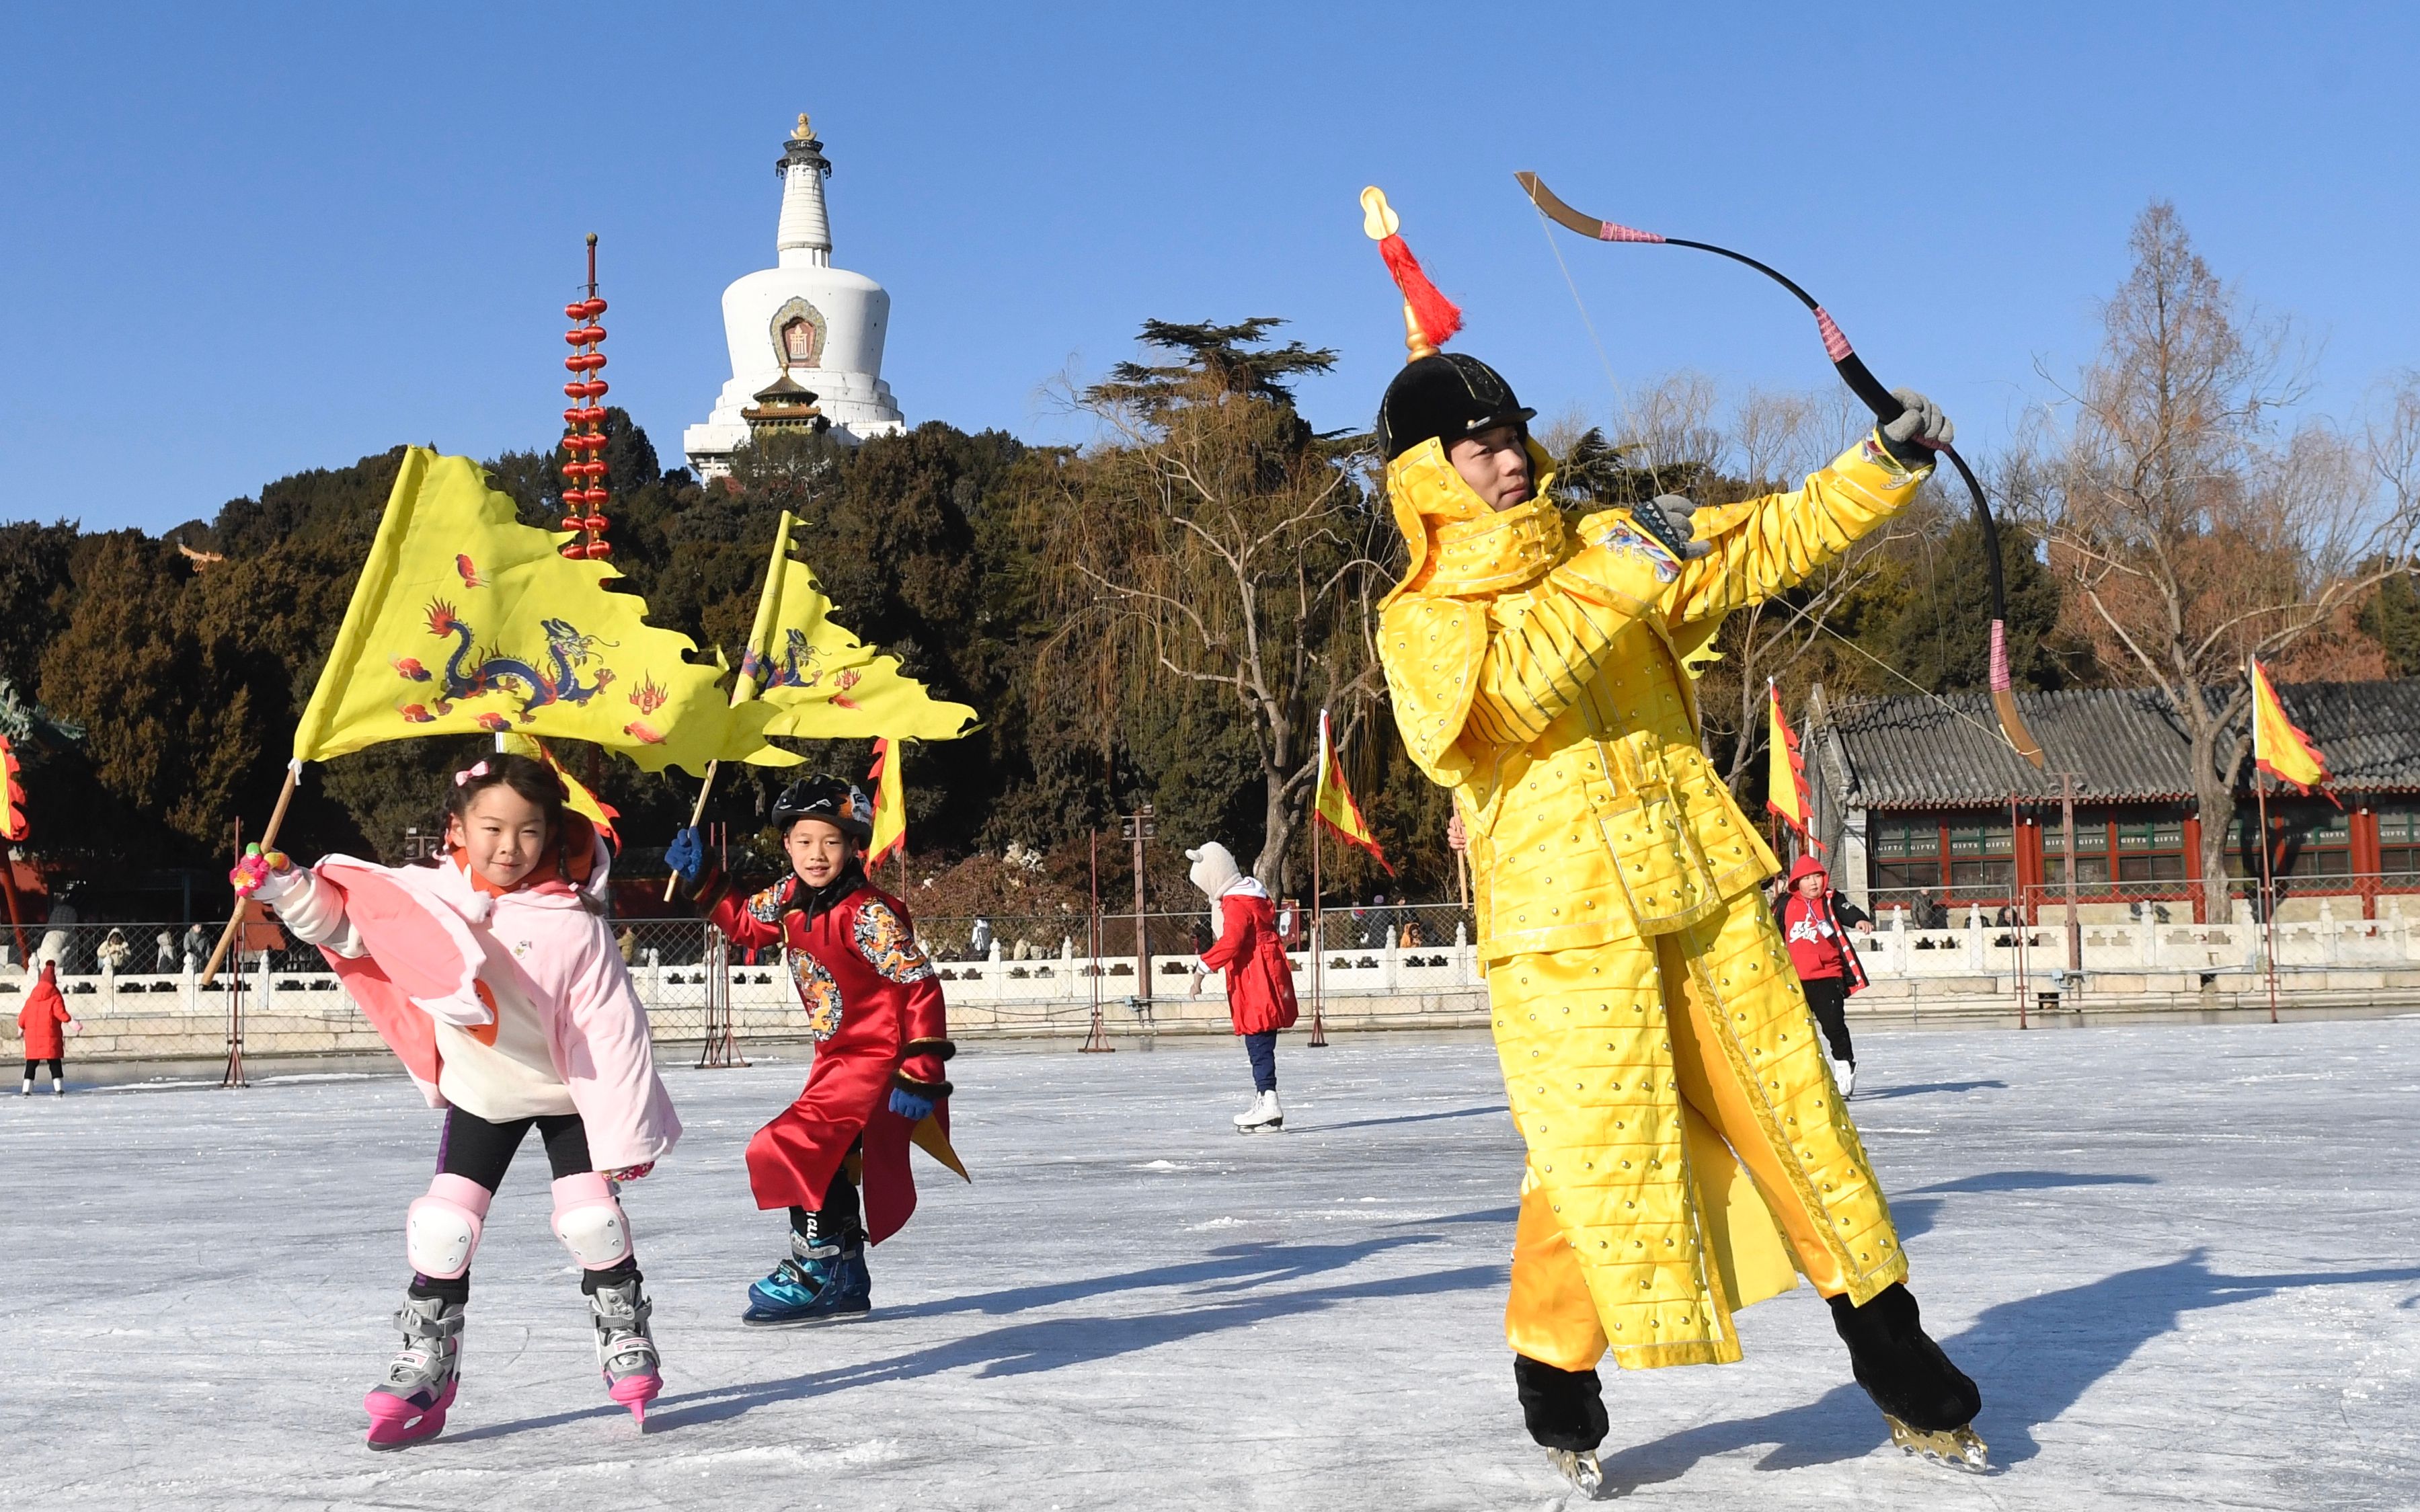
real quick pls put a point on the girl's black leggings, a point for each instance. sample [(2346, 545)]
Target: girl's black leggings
[(481, 1152)]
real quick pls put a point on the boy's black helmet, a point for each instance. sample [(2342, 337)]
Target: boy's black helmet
[(841, 804), (1445, 394)]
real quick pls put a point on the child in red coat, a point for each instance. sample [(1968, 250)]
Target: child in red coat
[(1814, 921), (1260, 978), (38, 1021), (873, 1008)]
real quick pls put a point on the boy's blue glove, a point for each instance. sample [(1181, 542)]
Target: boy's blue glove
[(686, 856), (909, 1106)]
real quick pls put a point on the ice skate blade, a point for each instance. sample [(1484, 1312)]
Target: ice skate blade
[(1956, 1447), (1581, 1469), (395, 1424), (814, 1321), (1273, 1126)]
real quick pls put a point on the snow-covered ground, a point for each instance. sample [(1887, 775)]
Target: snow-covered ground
[(2183, 1263)]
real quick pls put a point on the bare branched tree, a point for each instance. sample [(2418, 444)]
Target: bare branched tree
[(1214, 541), (2191, 534)]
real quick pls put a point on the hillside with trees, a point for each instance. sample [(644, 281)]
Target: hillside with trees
[(1159, 616)]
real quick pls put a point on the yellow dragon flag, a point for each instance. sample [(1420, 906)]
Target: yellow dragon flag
[(822, 680), (466, 620), (1785, 777), (2279, 747), (1333, 804)]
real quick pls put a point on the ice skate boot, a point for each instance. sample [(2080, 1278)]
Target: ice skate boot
[(824, 1281), (1565, 1413), (1265, 1115), (1844, 1076), (409, 1404), (1928, 1402), (626, 1350)]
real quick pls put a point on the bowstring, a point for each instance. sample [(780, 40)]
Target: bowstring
[(1656, 473), (1993, 729), (1612, 384)]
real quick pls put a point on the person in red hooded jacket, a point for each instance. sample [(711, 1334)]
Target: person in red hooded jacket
[(38, 1021), (1260, 978), (1815, 921)]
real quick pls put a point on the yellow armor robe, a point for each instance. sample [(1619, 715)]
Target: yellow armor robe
[(1687, 1147)]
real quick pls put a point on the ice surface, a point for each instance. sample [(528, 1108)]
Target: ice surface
[(2183, 1263)]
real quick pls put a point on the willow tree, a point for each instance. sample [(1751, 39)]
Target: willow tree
[(2193, 531), (1213, 542)]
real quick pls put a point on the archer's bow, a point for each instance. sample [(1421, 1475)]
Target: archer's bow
[(1866, 387)]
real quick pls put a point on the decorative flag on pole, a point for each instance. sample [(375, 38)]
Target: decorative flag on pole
[(823, 683), (1333, 805), (467, 621), (890, 805), (1785, 784), (578, 798), (12, 797), (2279, 747)]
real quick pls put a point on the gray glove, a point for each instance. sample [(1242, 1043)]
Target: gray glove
[(1666, 516), (1919, 431)]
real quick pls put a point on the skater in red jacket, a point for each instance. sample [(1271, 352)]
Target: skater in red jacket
[(1815, 921), (38, 1021), (873, 1008), (1260, 978)]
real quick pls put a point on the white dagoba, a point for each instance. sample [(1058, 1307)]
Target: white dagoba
[(805, 337)]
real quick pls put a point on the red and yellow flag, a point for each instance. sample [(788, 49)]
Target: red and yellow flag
[(890, 803), (12, 797), (1785, 782), (2279, 747), (1333, 805)]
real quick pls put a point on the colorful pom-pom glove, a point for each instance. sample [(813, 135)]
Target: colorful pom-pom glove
[(267, 877)]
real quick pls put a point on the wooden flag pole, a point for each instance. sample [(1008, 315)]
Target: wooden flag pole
[(1318, 938), (696, 813), (268, 840), (2268, 895)]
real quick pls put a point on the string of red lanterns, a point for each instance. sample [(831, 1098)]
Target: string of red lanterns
[(583, 473)]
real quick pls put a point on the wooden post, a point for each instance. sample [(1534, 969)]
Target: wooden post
[(2017, 900), (1096, 1042), (268, 840), (2067, 830), (1139, 827), (234, 1075)]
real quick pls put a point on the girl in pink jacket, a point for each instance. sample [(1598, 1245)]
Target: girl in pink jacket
[(492, 974)]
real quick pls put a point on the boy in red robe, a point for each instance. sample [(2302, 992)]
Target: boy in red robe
[(873, 1008)]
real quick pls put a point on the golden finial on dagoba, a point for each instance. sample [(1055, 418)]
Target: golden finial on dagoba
[(805, 132)]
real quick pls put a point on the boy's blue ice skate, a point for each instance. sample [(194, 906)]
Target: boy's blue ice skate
[(824, 1280)]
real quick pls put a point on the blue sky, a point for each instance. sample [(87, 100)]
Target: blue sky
[(241, 241)]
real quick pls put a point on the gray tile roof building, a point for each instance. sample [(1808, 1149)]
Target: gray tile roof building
[(2126, 743)]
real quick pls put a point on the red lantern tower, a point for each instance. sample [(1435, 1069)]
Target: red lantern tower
[(583, 440)]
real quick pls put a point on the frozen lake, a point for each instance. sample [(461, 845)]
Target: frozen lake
[(2183, 1262)]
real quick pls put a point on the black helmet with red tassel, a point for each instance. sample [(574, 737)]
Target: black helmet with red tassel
[(1438, 394)]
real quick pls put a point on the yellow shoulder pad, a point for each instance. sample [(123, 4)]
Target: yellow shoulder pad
[(1432, 649)]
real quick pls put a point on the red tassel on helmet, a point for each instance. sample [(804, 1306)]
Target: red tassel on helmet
[(1439, 318)]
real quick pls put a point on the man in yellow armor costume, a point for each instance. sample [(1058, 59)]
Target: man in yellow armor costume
[(1688, 1149)]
